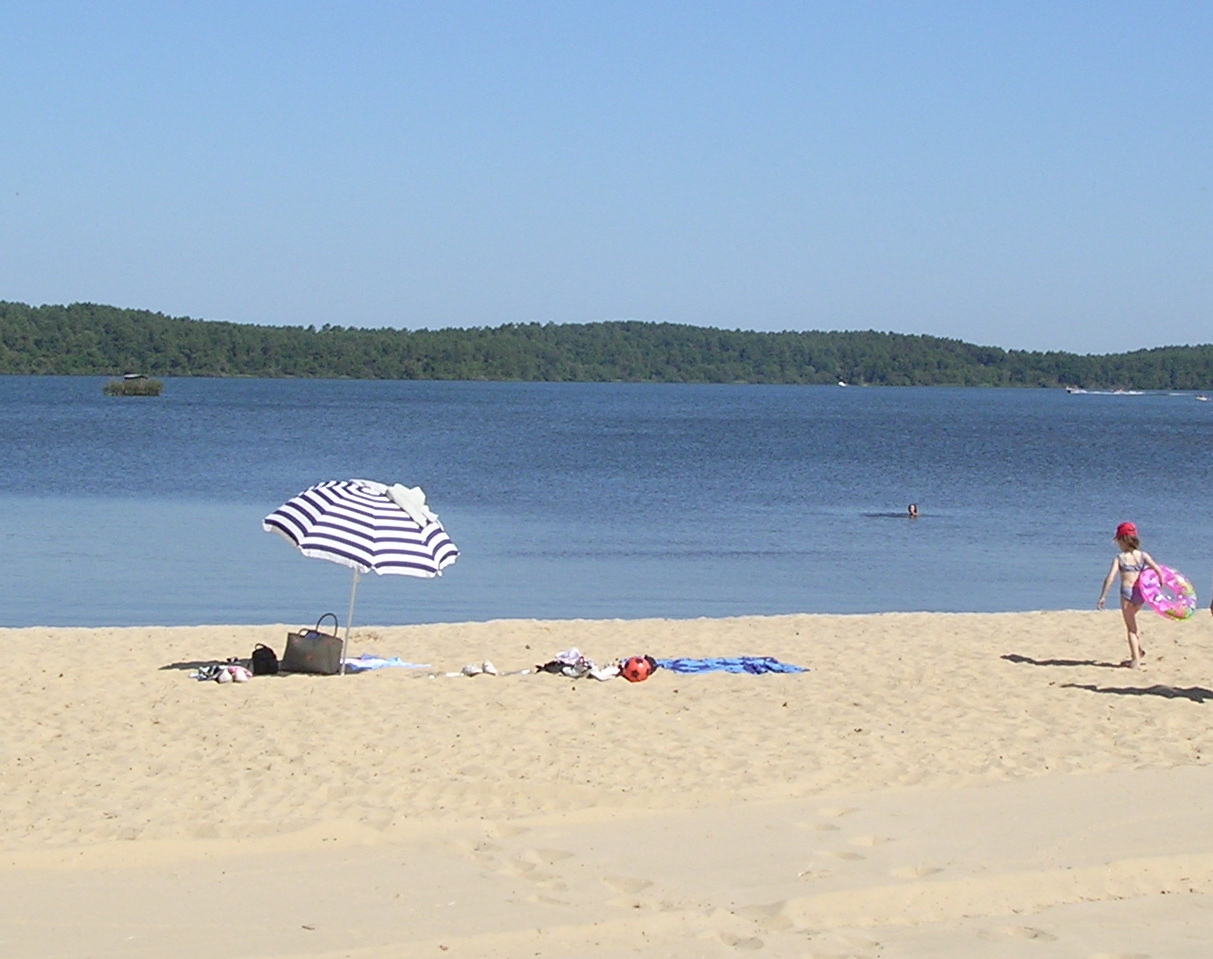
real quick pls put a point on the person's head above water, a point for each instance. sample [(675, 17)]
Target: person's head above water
[(912, 509)]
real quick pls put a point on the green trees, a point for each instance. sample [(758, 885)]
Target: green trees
[(87, 338)]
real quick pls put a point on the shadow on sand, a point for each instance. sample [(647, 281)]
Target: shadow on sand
[(199, 663), (1196, 694), (1016, 658)]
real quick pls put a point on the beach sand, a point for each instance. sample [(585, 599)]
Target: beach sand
[(937, 785)]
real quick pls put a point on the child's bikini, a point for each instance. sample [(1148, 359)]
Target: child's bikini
[(1129, 592)]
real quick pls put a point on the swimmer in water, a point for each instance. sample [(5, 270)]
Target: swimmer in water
[(912, 511)]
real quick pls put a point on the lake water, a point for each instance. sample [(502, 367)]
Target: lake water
[(591, 500)]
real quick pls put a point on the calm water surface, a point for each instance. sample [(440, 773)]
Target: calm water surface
[(591, 500)]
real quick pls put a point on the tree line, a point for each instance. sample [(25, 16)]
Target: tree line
[(92, 339)]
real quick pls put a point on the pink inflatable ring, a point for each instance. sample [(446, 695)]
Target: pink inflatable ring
[(1171, 594)]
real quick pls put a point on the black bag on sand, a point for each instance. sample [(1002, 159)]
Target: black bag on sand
[(264, 660), (313, 650)]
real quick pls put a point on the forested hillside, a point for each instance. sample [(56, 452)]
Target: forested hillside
[(86, 338)]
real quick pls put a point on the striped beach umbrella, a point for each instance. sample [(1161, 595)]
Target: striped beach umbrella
[(368, 526)]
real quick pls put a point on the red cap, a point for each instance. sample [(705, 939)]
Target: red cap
[(1125, 529)]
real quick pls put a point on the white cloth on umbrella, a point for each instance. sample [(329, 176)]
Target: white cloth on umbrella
[(411, 499)]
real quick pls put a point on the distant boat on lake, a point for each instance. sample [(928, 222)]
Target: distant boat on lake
[(133, 384)]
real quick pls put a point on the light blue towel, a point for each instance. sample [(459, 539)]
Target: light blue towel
[(364, 663)]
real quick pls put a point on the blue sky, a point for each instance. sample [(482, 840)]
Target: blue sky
[(1021, 174)]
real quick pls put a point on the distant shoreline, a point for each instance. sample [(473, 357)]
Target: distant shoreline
[(93, 339)]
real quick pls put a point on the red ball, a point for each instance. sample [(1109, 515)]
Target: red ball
[(636, 669)]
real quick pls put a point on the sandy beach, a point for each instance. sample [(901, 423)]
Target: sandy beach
[(936, 785)]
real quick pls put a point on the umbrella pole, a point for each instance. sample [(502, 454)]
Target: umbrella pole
[(348, 616)]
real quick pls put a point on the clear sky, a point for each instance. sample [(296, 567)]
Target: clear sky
[(1032, 175)]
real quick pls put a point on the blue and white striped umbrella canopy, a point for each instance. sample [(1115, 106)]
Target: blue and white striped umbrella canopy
[(367, 526)]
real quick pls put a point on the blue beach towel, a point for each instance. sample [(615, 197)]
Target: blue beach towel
[(730, 664), (363, 663)]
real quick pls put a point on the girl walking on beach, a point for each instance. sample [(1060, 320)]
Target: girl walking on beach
[(1129, 563)]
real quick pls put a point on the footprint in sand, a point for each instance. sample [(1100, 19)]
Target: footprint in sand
[(741, 942), (869, 840), (626, 884), (630, 888), (472, 847), (913, 872), (1019, 932), (549, 900), (855, 947), (504, 830), (545, 857), (771, 916), (843, 854), (833, 812), (524, 868)]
